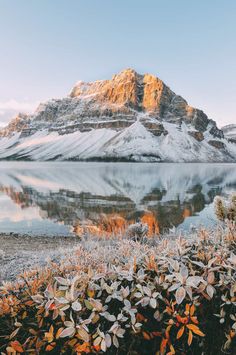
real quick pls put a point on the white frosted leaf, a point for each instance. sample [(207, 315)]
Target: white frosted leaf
[(153, 303), (62, 281), (76, 306), (180, 295), (67, 332)]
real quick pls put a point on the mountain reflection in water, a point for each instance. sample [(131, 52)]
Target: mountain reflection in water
[(103, 198)]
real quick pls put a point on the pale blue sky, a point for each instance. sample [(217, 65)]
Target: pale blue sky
[(48, 45)]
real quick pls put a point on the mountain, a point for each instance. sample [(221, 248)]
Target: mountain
[(131, 117), (230, 132)]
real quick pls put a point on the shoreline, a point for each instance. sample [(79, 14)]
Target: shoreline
[(22, 251)]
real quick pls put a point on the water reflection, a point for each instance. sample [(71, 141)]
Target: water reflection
[(104, 198)]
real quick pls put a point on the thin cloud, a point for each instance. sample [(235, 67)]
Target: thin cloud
[(14, 105), (10, 108)]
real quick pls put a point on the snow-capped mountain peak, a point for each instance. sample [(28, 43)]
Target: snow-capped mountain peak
[(129, 117)]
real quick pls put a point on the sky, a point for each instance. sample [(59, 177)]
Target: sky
[(46, 46)]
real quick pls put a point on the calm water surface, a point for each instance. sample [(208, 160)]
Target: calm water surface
[(100, 198)]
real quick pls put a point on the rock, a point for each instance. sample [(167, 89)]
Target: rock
[(146, 93), (19, 123), (232, 140), (197, 135), (155, 128), (114, 104), (215, 131), (217, 144)]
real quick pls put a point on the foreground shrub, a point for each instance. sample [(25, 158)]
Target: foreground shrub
[(226, 210), (174, 297)]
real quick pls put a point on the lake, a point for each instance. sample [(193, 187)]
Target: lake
[(67, 198)]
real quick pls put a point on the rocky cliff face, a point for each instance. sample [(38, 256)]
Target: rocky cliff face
[(130, 117), (129, 91)]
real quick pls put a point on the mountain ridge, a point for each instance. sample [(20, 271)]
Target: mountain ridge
[(230, 132), (129, 117)]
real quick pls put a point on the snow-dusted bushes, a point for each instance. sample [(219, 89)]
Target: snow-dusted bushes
[(225, 210), (174, 297), (137, 231)]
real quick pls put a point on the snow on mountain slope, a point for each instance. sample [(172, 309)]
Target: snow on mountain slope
[(130, 117), (133, 143), (230, 131)]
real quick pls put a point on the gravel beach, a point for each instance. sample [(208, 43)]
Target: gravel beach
[(20, 252)]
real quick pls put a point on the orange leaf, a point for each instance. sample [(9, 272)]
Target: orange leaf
[(90, 293), (59, 332), (24, 315), (50, 347), (40, 311), (232, 334), (180, 333), (157, 334), (32, 331), (51, 329), (172, 350), (72, 342), (97, 347), (39, 344), (135, 264), (183, 320), (52, 306), (83, 348), (167, 331), (195, 330), (146, 336), (192, 310), (49, 335), (190, 338), (194, 320), (140, 317), (41, 323), (187, 307), (17, 346), (29, 303), (168, 310), (10, 350), (163, 345)]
